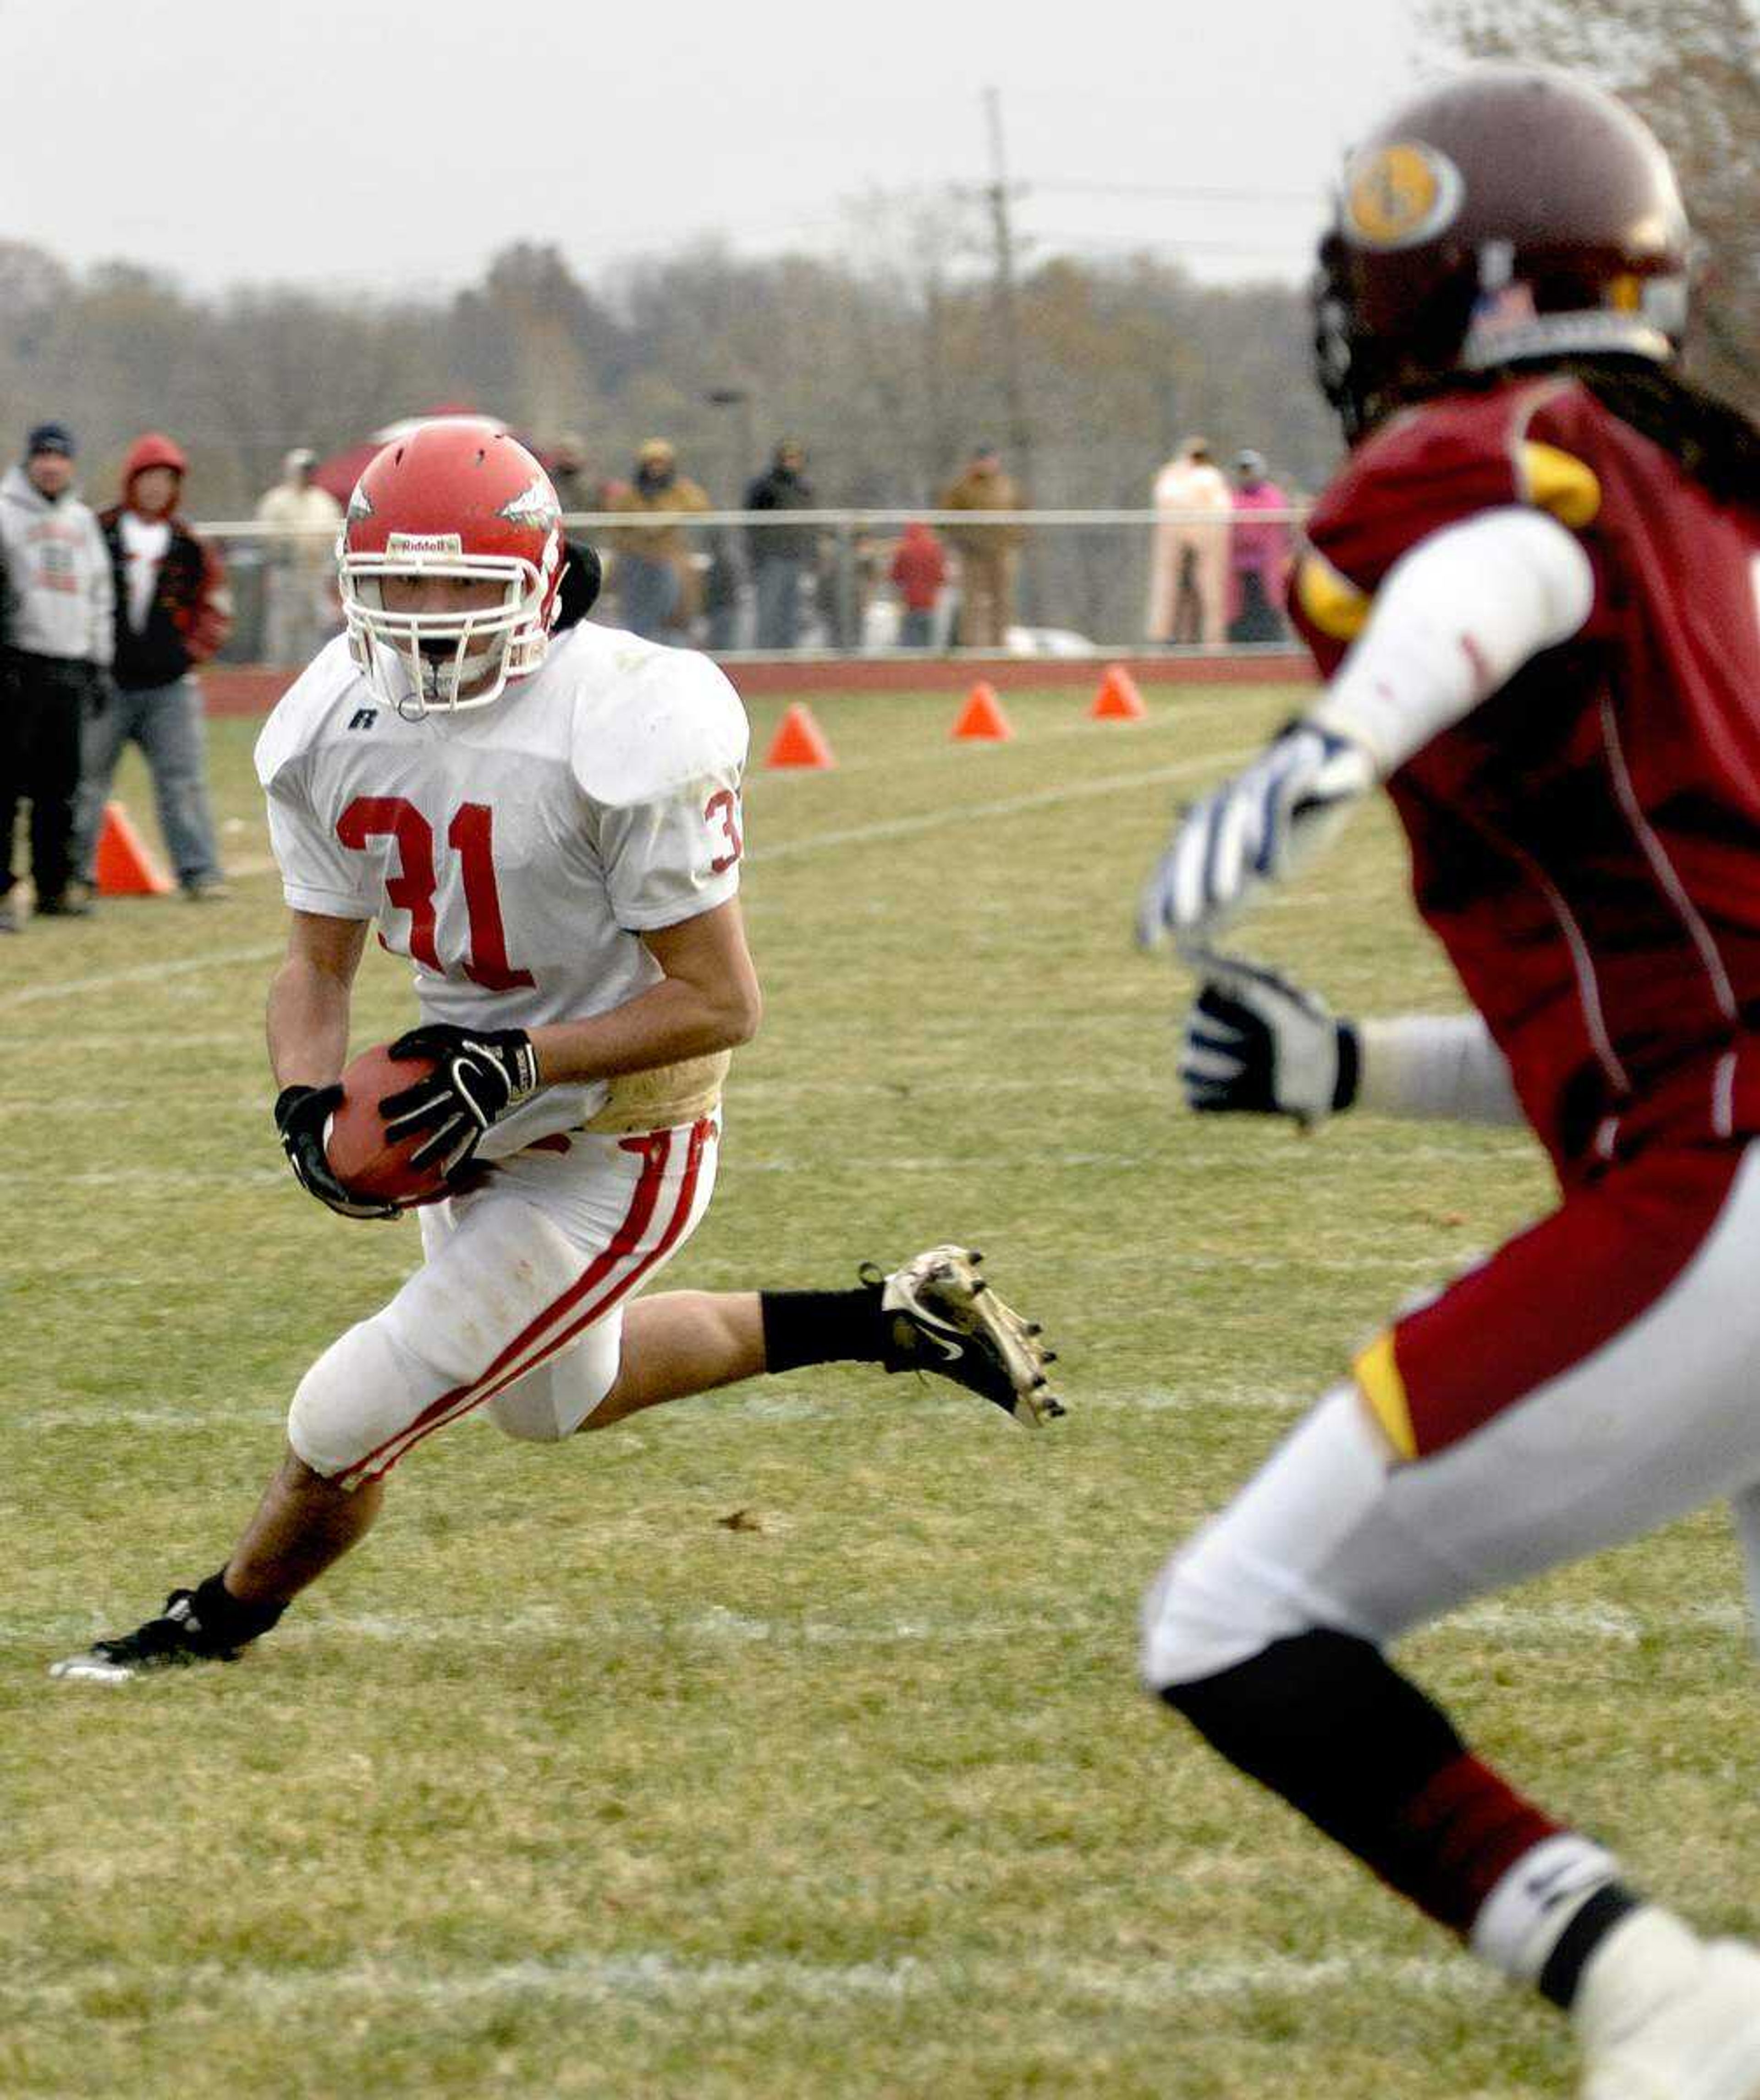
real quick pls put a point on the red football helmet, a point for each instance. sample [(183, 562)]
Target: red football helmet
[(457, 498), (1510, 214)]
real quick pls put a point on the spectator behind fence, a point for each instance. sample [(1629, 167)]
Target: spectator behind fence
[(657, 593), (721, 578), (918, 569), (301, 562), (987, 553), (172, 612), (1258, 555), (1189, 559), (59, 636), (567, 466), (780, 555)]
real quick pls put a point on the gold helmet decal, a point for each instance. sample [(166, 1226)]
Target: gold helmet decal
[(1397, 196)]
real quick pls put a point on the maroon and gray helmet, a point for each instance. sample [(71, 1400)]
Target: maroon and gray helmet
[(1509, 215)]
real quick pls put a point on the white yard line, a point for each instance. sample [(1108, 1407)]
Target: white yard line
[(96, 1044), (139, 973), (664, 1978), (1013, 806), (756, 1405), (895, 827), (1582, 1625), (1620, 1624)]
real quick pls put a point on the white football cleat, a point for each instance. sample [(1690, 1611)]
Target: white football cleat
[(946, 1320), (1664, 2015)]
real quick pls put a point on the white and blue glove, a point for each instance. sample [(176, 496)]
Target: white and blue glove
[(1254, 829), (1256, 1044)]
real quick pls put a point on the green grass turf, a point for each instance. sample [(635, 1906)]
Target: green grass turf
[(561, 1786)]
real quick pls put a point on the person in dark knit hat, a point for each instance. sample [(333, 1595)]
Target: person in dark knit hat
[(59, 602)]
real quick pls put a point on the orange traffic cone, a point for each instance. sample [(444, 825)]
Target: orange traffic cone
[(1118, 699), (800, 741), (982, 720), (122, 866)]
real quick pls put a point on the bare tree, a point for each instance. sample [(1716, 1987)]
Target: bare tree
[(1691, 68), (882, 360)]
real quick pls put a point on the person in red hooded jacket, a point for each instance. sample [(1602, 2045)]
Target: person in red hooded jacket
[(172, 612), (918, 568)]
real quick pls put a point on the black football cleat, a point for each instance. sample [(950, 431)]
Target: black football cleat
[(170, 1642), (945, 1320)]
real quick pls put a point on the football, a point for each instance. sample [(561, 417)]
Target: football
[(362, 1157)]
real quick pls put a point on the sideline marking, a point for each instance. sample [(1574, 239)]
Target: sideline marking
[(933, 753), (896, 827), (899, 827)]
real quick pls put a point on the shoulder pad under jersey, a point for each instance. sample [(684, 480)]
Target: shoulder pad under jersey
[(1432, 466), (299, 716), (649, 720)]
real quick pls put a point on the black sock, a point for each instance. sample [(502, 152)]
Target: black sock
[(227, 1621), (823, 1327), (1606, 1909)]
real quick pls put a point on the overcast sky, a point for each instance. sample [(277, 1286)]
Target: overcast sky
[(378, 142)]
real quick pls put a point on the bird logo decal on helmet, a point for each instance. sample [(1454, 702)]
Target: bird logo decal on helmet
[(535, 504)]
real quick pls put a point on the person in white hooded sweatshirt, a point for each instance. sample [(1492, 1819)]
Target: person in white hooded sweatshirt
[(59, 603)]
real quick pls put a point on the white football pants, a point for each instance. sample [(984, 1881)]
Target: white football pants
[(517, 1309)]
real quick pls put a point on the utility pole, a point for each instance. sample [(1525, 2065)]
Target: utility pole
[(1019, 430)]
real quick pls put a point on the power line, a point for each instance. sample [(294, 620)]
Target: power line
[(1199, 194), (1295, 245)]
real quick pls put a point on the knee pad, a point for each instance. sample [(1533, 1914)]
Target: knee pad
[(1260, 1572), (1218, 1603), (1208, 1611), (361, 1392)]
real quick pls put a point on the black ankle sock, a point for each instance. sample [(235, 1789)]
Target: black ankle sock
[(1606, 1909), (823, 1327), (227, 1621)]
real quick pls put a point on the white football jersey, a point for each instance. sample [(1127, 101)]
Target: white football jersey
[(515, 852)]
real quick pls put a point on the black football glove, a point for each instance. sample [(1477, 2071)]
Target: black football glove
[(475, 1081), (300, 1115), (1257, 1044)]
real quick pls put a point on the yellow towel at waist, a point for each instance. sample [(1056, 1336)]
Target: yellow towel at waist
[(662, 1096)]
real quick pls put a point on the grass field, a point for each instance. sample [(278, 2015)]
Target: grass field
[(562, 1786)]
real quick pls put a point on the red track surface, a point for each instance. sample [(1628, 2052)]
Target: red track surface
[(248, 689)]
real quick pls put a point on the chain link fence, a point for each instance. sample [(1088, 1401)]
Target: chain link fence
[(828, 582)]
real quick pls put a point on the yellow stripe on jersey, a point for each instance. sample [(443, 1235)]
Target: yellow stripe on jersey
[(1560, 482), (1378, 1374), (1331, 602)]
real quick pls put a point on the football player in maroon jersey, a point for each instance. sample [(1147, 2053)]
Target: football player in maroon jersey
[(1533, 590)]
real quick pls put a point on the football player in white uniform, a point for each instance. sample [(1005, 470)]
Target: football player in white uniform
[(549, 827)]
